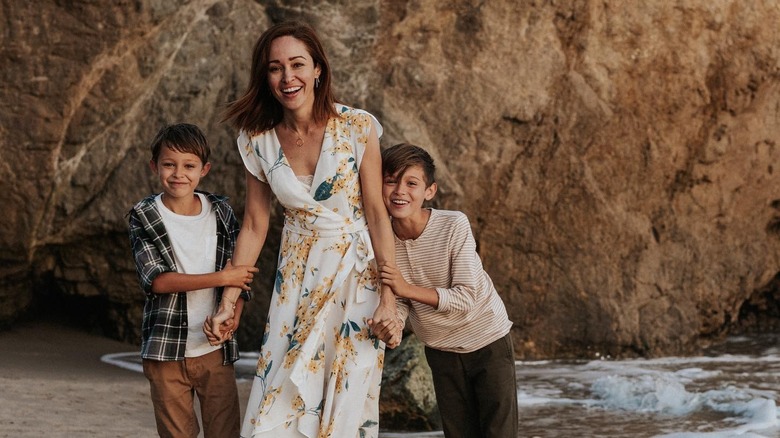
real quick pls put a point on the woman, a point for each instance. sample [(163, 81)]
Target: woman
[(319, 369)]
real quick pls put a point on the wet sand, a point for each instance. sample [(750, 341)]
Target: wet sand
[(53, 384)]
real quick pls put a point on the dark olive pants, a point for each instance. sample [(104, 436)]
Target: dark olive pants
[(477, 391), (173, 386)]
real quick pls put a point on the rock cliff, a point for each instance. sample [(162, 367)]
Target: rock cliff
[(616, 159)]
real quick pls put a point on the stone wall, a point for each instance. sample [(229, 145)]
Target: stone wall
[(616, 159)]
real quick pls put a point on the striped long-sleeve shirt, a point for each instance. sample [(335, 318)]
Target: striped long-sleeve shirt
[(470, 314)]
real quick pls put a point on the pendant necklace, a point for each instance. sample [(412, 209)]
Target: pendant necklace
[(299, 139)]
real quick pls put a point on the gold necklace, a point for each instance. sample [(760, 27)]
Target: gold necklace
[(299, 139)]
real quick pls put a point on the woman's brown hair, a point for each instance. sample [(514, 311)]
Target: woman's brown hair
[(258, 110)]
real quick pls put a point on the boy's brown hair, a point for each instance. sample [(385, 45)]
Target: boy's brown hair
[(181, 137), (398, 158)]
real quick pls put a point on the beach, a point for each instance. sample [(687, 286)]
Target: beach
[(54, 384)]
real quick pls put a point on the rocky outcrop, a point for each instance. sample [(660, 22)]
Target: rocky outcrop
[(407, 400), (616, 161)]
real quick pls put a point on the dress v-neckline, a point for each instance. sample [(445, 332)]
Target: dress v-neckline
[(323, 148)]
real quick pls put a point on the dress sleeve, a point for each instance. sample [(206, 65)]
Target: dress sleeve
[(250, 156), (363, 123)]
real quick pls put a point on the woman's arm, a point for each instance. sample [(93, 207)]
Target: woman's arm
[(250, 242), (392, 277), (380, 230)]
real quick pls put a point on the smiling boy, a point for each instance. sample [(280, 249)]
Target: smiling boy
[(182, 240), (451, 302)]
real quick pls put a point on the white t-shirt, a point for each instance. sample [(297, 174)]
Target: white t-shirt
[(194, 243)]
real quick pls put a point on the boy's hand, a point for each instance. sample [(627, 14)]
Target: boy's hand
[(238, 276), (392, 278)]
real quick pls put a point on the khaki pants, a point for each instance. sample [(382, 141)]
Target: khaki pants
[(477, 391), (173, 387)]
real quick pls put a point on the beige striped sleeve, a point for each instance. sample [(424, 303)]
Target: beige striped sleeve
[(470, 313)]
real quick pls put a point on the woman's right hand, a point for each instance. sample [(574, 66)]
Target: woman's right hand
[(215, 339), (213, 325)]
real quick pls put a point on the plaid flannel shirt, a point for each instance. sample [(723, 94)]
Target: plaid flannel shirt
[(164, 328)]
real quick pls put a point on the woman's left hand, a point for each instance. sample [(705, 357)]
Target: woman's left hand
[(385, 325)]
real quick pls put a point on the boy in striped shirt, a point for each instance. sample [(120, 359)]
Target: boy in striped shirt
[(450, 301)]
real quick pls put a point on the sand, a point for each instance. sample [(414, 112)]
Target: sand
[(53, 384)]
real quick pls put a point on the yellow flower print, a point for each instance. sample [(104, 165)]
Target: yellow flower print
[(289, 358), (360, 121), (315, 364), (283, 297), (349, 347), (340, 247), (340, 378), (341, 147), (300, 335), (298, 405), (270, 398), (363, 334)]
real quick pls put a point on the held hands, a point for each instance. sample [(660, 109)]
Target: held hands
[(220, 327), (386, 326), (228, 328), (238, 276)]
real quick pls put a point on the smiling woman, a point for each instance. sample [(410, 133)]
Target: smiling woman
[(319, 368)]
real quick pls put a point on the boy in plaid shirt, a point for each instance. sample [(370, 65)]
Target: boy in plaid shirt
[(182, 240)]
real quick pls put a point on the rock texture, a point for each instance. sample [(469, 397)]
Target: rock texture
[(616, 158), (407, 400)]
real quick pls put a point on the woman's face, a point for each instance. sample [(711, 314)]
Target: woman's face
[(291, 73)]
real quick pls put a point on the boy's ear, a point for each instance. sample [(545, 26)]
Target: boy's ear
[(153, 166), (430, 191), (206, 168)]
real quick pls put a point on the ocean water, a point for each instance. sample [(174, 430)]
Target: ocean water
[(729, 391)]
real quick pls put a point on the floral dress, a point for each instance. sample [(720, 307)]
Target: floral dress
[(319, 370)]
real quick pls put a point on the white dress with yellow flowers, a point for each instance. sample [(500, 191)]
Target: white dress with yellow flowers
[(319, 370)]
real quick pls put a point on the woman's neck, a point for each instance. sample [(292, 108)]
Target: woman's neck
[(301, 121)]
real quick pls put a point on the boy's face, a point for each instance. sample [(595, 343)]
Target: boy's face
[(179, 172), (404, 197)]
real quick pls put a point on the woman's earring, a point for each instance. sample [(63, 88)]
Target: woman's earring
[(316, 82)]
